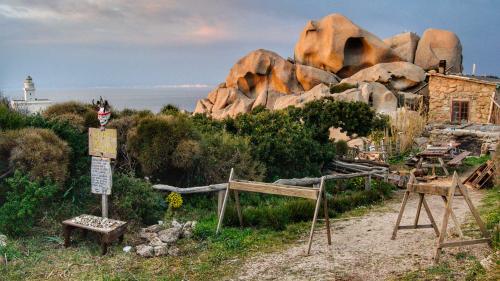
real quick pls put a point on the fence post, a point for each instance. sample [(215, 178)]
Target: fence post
[(368, 182)]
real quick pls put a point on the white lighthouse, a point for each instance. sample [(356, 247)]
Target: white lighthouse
[(29, 89), (30, 104)]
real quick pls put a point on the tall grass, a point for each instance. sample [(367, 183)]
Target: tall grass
[(405, 126)]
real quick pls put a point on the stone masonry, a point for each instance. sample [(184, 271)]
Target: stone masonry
[(443, 89)]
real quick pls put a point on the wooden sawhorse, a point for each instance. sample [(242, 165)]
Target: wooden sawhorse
[(447, 193), (314, 193)]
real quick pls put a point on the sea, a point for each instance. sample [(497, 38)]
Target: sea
[(152, 98)]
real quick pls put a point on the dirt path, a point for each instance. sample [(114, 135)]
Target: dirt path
[(362, 249)]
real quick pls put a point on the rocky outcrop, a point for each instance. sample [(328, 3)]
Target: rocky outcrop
[(436, 45), (404, 45), (327, 49), (309, 76), (399, 75), (337, 45)]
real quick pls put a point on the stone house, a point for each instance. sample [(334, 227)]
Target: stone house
[(459, 99)]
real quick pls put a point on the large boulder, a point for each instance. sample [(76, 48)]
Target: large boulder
[(436, 45), (261, 71), (380, 98), (337, 45), (309, 76), (404, 45), (399, 75)]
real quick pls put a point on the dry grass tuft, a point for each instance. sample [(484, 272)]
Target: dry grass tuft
[(405, 126)]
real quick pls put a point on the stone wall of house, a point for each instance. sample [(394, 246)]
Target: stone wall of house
[(443, 89)]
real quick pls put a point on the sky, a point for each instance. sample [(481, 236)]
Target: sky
[(131, 43)]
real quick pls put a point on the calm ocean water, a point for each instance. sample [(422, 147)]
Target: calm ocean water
[(120, 98)]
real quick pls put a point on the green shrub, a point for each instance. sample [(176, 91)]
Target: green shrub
[(85, 111), (135, 200), (24, 203), (72, 119), (341, 148), (10, 119), (154, 142), (125, 162), (169, 109), (282, 142), (37, 152)]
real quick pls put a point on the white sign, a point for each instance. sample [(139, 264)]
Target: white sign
[(101, 176)]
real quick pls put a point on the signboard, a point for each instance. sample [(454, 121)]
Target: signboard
[(101, 177), (102, 143)]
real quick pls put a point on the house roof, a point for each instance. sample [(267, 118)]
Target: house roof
[(470, 78)]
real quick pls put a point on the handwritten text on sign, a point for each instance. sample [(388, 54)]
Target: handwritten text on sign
[(102, 143), (101, 177)]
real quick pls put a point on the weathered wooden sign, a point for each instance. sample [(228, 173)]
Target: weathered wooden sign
[(102, 143), (101, 176)]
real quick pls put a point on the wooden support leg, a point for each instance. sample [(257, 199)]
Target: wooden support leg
[(400, 216), (473, 210), (226, 196), (104, 248), (443, 166), (220, 199), (455, 220), (420, 201), (318, 202), (368, 182), (327, 219), (67, 235), (429, 215), (444, 225), (238, 207)]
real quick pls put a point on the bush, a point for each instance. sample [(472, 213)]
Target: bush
[(282, 142), (135, 200), (24, 203), (341, 147), (85, 111), (37, 152), (74, 120), (125, 162), (159, 142), (169, 109)]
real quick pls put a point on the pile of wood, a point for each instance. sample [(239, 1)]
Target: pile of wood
[(482, 176)]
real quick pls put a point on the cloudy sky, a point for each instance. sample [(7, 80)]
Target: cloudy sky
[(95, 43)]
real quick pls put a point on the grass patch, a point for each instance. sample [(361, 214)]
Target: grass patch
[(472, 161)]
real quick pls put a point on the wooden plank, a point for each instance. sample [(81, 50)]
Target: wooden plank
[(94, 229), (401, 211), (428, 189), (415, 226), (102, 143), (224, 203), (268, 188), (444, 225), (431, 218), (464, 242), (457, 160)]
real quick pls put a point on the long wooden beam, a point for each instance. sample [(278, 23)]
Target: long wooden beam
[(269, 188)]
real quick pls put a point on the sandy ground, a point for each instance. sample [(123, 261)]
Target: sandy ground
[(362, 248)]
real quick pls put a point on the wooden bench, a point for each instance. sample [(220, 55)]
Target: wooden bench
[(107, 235), (314, 193), (447, 193)]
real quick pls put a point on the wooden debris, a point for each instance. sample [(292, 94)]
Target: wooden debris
[(481, 176), (457, 160)]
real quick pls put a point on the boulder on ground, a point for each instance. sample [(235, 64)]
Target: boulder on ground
[(404, 45), (170, 235), (337, 45), (299, 100), (309, 76), (436, 45), (173, 251), (160, 250), (399, 75), (382, 100)]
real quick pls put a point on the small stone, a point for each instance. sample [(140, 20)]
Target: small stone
[(187, 224), (156, 242), (153, 228), (145, 251), (161, 250), (127, 249), (170, 235), (173, 251), (147, 235), (176, 224), (187, 233)]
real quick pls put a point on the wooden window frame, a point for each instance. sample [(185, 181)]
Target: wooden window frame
[(460, 112)]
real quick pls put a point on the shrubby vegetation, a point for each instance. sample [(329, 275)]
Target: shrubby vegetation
[(172, 147)]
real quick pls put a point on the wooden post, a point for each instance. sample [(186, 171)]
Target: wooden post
[(327, 219), (220, 199), (400, 215), (419, 207), (444, 224), (226, 196), (368, 182), (431, 218), (238, 207), (318, 202), (104, 201)]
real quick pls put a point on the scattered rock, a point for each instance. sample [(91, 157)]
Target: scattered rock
[(153, 228), (127, 249), (156, 242), (399, 75), (187, 233), (170, 235), (161, 250), (148, 235), (436, 45), (404, 45), (336, 44), (145, 251), (173, 251)]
